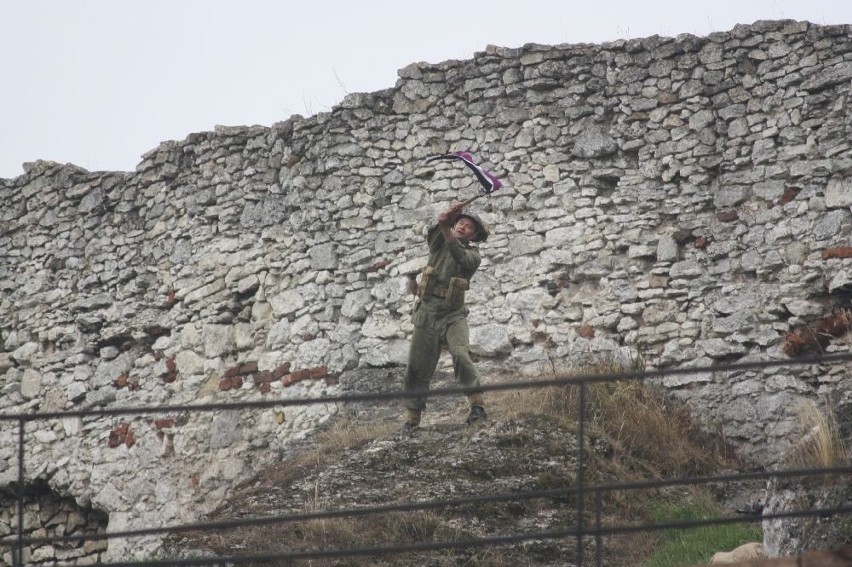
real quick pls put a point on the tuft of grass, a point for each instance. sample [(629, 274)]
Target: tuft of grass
[(346, 434), (821, 445)]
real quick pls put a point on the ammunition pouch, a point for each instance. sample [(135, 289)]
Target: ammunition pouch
[(455, 293), (428, 280)]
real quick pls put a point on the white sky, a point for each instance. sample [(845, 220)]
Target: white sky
[(100, 82)]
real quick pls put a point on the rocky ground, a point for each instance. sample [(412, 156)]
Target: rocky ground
[(371, 462)]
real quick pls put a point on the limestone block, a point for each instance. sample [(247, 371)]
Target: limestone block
[(745, 552), (380, 325), (279, 335), (594, 143), (667, 249), (188, 363), (838, 193), (225, 430), (490, 340), (380, 354), (832, 223), (287, 302), (355, 305), (841, 281), (313, 353), (324, 256), (31, 384)]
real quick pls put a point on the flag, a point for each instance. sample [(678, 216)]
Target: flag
[(488, 180)]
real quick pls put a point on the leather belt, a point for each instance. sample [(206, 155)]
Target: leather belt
[(440, 291)]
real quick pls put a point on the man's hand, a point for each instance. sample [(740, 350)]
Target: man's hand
[(448, 218)]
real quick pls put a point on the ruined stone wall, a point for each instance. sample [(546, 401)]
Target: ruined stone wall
[(683, 201), (48, 516)]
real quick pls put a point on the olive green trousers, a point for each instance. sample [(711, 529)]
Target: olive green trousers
[(436, 325)]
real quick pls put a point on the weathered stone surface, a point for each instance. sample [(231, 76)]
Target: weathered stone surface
[(829, 76), (594, 143), (693, 206), (225, 430), (324, 257), (490, 340), (838, 193)]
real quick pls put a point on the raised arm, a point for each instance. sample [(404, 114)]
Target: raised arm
[(447, 219)]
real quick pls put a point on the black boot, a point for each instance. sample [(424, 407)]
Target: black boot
[(477, 413)]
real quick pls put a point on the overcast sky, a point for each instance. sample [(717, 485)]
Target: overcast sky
[(100, 82)]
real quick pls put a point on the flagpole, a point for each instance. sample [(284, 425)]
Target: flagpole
[(466, 202)]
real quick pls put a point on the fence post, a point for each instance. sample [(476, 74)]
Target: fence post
[(18, 553), (580, 465), (598, 537)]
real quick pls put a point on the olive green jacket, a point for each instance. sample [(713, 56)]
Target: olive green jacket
[(454, 259)]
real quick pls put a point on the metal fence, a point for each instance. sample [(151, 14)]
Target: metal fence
[(588, 497)]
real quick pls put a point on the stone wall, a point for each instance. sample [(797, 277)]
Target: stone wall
[(47, 516), (684, 201)]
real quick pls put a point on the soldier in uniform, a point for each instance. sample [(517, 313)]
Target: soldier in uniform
[(440, 315)]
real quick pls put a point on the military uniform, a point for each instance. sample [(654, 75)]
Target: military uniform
[(440, 317)]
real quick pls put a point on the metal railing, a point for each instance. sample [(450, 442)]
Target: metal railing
[(580, 490)]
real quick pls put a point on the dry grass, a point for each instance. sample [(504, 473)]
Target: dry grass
[(342, 533), (821, 445), (348, 434), (633, 426)]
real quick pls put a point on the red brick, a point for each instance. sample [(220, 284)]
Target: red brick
[(119, 435), (171, 298), (378, 265), (263, 378), (318, 372), (301, 374), (789, 194), (248, 368), (838, 252), (296, 376), (281, 371), (701, 242), (121, 381), (586, 331)]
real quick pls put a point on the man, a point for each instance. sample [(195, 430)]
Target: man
[(440, 316)]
